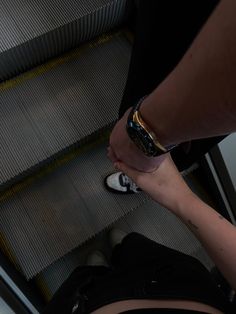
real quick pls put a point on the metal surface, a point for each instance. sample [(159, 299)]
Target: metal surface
[(15, 296), (149, 219), (5, 308), (49, 113), (228, 151), (61, 211), (34, 31), (221, 188)]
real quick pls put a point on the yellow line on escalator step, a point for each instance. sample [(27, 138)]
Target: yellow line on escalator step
[(52, 166), (75, 53), (74, 152)]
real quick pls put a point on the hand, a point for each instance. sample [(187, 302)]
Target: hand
[(165, 185), (123, 149)]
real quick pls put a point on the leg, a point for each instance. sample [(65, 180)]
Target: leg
[(136, 250), (185, 158), (163, 32)]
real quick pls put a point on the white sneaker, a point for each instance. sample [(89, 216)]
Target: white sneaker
[(96, 258), (116, 236), (119, 182)]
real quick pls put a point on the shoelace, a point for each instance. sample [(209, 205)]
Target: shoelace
[(128, 182)]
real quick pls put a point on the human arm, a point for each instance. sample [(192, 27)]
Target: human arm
[(197, 99), (216, 234)]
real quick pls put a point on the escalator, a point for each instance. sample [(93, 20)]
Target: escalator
[(63, 69)]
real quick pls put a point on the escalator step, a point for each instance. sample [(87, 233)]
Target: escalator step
[(34, 31), (44, 112), (151, 220), (61, 211)]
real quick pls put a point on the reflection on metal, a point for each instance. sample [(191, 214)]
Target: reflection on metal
[(228, 151), (5, 309), (221, 190), (17, 292)]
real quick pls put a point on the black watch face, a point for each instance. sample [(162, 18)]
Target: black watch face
[(137, 139), (141, 139)]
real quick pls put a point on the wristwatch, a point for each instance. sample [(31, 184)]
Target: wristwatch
[(142, 135)]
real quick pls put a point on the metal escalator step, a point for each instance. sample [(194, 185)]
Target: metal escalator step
[(149, 219), (72, 97), (34, 31), (61, 211)]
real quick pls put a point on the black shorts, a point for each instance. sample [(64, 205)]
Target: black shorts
[(141, 269)]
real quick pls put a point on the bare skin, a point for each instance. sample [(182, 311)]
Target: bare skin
[(217, 235), (197, 100)]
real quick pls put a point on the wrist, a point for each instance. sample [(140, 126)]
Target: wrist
[(142, 135), (130, 143), (185, 203), (154, 112)]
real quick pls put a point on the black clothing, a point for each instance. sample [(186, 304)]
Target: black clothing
[(164, 30), (141, 269)]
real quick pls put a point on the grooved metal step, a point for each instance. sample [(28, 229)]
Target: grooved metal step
[(31, 32), (149, 219), (57, 213), (46, 111)]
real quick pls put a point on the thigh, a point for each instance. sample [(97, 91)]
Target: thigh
[(137, 250)]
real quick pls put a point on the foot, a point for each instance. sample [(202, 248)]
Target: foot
[(96, 258), (116, 236), (120, 183)]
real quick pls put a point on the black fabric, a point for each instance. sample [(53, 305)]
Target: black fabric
[(164, 30), (72, 290), (142, 269)]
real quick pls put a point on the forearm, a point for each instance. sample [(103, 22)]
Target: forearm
[(166, 186), (198, 99), (216, 234)]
